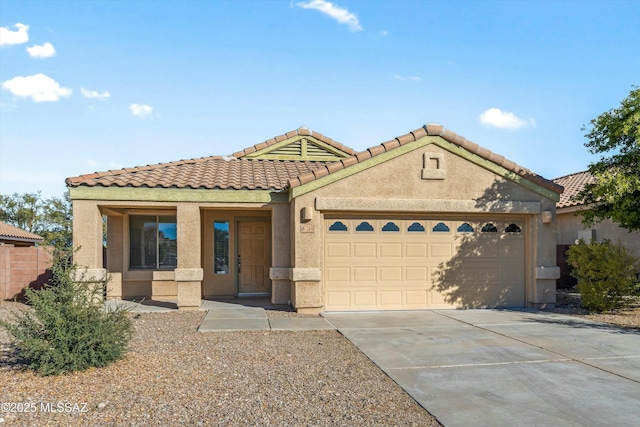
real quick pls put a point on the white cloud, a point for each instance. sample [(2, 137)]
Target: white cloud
[(14, 37), (408, 78), (93, 94), (383, 33), (38, 87), (504, 120), (43, 51), (343, 16), (140, 110)]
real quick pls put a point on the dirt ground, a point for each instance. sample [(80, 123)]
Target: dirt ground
[(568, 302)]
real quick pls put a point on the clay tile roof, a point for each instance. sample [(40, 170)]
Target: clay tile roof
[(9, 232), (433, 129), (208, 172), (572, 184), (302, 131)]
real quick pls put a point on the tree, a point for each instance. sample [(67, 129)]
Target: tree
[(67, 328), (615, 193), (49, 218), (606, 274)]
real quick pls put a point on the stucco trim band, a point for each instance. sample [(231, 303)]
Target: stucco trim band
[(91, 274), (189, 274), (164, 275), (548, 272), (175, 195), (279, 273), (424, 205), (305, 274)]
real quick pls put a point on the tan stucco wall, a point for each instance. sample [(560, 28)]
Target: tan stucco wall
[(569, 224), (87, 234), (195, 247), (391, 183), (223, 285)]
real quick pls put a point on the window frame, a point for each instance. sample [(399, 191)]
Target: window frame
[(158, 218)]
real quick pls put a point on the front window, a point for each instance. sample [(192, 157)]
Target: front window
[(152, 242)]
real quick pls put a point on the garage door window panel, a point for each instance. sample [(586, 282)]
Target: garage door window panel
[(441, 227), (489, 228), (416, 227), (465, 227), (364, 226), (513, 228), (390, 226), (338, 226)]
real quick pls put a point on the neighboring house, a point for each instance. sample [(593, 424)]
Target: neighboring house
[(426, 220), (10, 235), (22, 263), (570, 227)]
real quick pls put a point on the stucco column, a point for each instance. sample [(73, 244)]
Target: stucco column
[(281, 254), (543, 292), (189, 273), (87, 238), (307, 254), (115, 248)]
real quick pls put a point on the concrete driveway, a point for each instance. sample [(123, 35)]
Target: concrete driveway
[(505, 368)]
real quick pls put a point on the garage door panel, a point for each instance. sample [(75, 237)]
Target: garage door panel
[(338, 250), (416, 250), (441, 250), (364, 274), (488, 274), (339, 299), (391, 250), (364, 298), (419, 274), (512, 249), (365, 250), (391, 274), (414, 265), (338, 274), (391, 298), (513, 274), (418, 298), (486, 248)]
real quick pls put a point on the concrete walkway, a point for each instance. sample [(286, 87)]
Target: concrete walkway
[(505, 368), (225, 316), (232, 315)]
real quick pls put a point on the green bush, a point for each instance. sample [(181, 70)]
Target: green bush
[(606, 274), (68, 328)]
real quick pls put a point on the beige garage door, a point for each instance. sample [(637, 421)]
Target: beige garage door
[(398, 264)]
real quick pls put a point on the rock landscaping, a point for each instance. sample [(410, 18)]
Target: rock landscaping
[(174, 375)]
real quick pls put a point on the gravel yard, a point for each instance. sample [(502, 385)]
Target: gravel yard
[(568, 302), (174, 375)]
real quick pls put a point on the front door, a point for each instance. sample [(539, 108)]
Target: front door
[(254, 257)]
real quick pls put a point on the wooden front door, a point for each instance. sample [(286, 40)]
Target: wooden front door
[(254, 257)]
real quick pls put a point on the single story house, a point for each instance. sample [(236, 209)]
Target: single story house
[(15, 236), (426, 220), (570, 227)]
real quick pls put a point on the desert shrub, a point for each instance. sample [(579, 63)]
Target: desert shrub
[(68, 328), (606, 274)]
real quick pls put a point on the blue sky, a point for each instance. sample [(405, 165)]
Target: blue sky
[(96, 85)]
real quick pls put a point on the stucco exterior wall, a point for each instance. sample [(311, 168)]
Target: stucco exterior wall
[(397, 186), (569, 226), (194, 276)]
